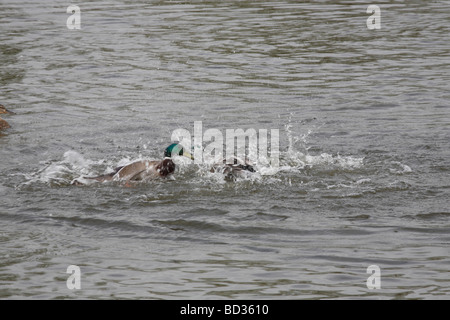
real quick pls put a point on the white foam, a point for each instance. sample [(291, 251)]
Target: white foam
[(400, 168), (75, 159)]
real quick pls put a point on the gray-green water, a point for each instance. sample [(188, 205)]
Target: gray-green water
[(364, 119)]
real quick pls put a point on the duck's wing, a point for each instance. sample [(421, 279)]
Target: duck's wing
[(135, 170), (102, 178)]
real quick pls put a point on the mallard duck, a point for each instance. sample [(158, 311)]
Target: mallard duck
[(3, 123), (144, 169), (230, 167), (233, 168)]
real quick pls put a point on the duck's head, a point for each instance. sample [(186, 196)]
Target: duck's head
[(177, 149), (3, 110)]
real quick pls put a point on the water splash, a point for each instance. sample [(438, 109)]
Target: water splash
[(400, 168), (294, 160), (298, 156)]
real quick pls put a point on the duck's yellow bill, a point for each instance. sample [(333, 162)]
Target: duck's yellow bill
[(188, 155)]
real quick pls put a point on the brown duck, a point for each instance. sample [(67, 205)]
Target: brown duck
[(233, 168), (144, 169), (3, 123)]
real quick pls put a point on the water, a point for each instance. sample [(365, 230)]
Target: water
[(364, 140)]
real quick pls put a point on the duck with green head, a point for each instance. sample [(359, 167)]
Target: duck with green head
[(144, 169)]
